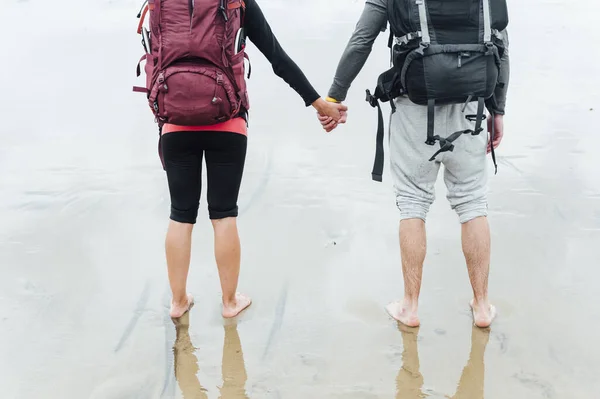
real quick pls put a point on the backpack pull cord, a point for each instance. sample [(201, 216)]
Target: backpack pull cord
[(466, 103), (223, 10), (493, 135), (377, 173)]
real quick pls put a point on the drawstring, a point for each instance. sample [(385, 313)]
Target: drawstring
[(493, 135)]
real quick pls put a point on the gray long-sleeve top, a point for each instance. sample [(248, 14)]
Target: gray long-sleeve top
[(372, 22)]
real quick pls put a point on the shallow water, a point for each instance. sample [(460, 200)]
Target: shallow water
[(84, 206)]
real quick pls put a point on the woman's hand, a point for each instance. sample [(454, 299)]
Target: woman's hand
[(330, 113)]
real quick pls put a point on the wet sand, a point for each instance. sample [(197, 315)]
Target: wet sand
[(84, 206)]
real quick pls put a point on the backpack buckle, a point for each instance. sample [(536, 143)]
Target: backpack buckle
[(371, 99), (473, 118), (422, 48)]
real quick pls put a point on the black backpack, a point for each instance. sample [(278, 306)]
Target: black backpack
[(443, 52)]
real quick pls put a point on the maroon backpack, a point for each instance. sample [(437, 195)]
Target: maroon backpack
[(194, 60)]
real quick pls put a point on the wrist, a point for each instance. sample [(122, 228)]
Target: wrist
[(319, 105), (332, 100)]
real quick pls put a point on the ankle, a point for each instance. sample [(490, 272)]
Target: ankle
[(481, 302), (180, 300), (410, 304), (229, 301)]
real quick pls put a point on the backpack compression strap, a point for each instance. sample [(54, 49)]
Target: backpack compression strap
[(446, 144), (377, 173), (493, 135)]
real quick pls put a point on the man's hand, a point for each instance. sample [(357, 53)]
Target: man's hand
[(329, 123), (330, 109), (498, 132)]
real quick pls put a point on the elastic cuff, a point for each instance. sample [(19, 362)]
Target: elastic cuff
[(183, 218), (331, 100), (310, 100), (413, 211), (337, 92), (480, 211), (407, 216), (216, 215)]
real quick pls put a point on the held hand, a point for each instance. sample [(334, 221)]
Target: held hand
[(332, 110), (498, 132), (329, 123), (330, 113)]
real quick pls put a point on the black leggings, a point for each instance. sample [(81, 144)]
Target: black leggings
[(225, 156)]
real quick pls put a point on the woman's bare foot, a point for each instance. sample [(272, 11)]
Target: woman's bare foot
[(237, 306), (179, 309), (404, 314), (483, 315)]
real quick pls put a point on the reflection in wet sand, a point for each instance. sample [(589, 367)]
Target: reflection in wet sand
[(233, 369), (470, 385), (186, 364), (409, 383), (410, 380)]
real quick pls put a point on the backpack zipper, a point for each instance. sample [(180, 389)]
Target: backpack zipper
[(191, 10)]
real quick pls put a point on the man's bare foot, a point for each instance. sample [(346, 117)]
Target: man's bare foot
[(179, 309), (239, 304), (483, 316), (403, 314)]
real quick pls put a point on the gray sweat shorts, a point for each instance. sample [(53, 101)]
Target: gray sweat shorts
[(465, 169)]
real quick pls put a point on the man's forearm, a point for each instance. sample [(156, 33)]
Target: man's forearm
[(372, 21)]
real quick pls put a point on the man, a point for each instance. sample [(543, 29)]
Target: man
[(415, 176)]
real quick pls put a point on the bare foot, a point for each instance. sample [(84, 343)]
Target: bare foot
[(179, 309), (482, 316), (233, 309), (406, 316)]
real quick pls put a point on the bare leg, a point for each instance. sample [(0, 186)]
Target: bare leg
[(476, 247), (227, 254), (413, 248), (178, 246)]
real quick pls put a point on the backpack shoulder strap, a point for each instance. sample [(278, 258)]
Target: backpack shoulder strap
[(234, 5), (425, 38), (487, 22)]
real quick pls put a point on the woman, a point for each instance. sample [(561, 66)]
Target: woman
[(224, 146)]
